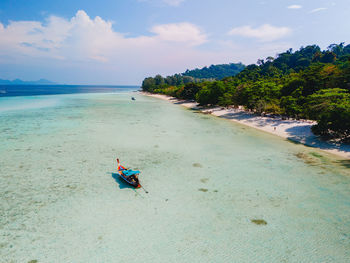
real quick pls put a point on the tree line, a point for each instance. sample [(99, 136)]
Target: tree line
[(214, 72), (308, 83)]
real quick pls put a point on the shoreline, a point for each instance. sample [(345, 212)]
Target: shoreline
[(294, 130)]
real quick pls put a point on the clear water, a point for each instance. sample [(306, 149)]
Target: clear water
[(31, 90), (208, 180)]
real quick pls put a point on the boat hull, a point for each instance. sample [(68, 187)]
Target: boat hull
[(135, 182)]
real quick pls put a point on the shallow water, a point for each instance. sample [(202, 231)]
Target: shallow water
[(218, 191)]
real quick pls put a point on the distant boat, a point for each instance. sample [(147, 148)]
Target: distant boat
[(133, 98)]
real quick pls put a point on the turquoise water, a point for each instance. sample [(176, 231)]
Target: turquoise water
[(208, 179)]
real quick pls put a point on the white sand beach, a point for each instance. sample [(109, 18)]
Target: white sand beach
[(294, 130)]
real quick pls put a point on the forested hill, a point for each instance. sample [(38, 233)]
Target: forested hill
[(308, 83), (215, 71)]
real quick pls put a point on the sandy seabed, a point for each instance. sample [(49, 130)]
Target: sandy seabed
[(294, 130), (217, 191)]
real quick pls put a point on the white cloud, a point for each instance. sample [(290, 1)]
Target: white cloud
[(86, 43), (82, 38), (318, 9), (264, 33), (181, 32), (84, 50), (294, 7)]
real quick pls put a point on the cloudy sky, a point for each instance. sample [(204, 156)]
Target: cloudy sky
[(124, 41)]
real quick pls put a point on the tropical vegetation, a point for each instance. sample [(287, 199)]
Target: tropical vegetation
[(308, 83)]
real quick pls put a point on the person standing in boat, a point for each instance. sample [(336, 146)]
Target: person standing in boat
[(120, 168)]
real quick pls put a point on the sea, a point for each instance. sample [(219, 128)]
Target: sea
[(217, 191)]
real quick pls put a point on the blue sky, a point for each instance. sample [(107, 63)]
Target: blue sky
[(121, 42)]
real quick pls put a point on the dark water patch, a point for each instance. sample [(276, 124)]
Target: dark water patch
[(345, 163), (198, 165), (323, 162), (317, 155), (259, 221), (2, 245), (293, 141), (204, 180), (156, 146), (203, 190), (306, 158), (300, 155), (215, 191), (61, 169)]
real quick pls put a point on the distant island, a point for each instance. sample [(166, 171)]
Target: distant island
[(308, 83), (23, 82)]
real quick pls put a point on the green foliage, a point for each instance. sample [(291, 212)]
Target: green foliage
[(292, 84), (291, 106), (334, 123), (189, 91), (215, 71), (323, 100), (226, 99), (210, 93), (192, 76), (149, 84)]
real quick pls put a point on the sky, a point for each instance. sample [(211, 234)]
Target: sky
[(120, 42)]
